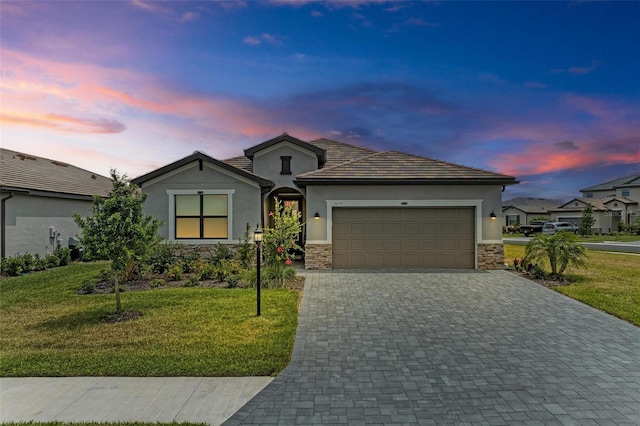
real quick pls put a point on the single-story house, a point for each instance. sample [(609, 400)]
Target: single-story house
[(522, 210), (360, 207), (38, 199)]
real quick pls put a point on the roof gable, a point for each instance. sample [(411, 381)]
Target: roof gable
[(319, 152), (198, 156), (33, 173), (398, 167)]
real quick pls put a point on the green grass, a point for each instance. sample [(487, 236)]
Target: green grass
[(49, 330), (592, 238), (610, 283)]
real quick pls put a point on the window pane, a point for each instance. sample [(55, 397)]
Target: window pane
[(187, 205), (187, 228), (215, 227), (215, 205)]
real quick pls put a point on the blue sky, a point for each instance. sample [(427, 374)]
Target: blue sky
[(546, 91)]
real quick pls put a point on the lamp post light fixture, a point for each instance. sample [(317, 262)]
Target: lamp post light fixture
[(257, 237)]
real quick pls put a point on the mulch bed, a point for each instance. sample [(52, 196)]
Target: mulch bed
[(549, 283)]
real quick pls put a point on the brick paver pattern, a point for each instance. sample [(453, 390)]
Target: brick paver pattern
[(435, 347)]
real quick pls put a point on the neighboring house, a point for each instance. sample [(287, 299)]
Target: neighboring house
[(39, 197), (522, 210), (614, 203), (361, 208)]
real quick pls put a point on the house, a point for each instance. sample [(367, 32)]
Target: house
[(522, 210), (609, 212), (361, 208), (614, 203), (39, 197)]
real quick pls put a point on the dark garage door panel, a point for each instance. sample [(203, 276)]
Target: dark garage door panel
[(431, 237)]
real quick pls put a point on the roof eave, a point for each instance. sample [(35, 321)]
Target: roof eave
[(265, 183), (408, 181)]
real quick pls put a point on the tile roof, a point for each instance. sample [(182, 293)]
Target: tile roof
[(393, 166), (531, 205), (340, 152), (202, 157), (29, 172), (627, 181)]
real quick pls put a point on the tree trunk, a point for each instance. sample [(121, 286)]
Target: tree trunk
[(117, 291)]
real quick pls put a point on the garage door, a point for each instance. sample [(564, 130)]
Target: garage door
[(403, 237)]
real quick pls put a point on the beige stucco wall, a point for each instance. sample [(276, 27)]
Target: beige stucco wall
[(267, 163), (29, 217), (245, 198), (487, 197)]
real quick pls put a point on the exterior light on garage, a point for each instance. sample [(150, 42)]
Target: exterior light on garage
[(492, 215), (316, 216), (257, 237)]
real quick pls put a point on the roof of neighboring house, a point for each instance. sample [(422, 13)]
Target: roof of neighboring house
[(398, 167), (199, 156), (623, 200), (26, 172), (531, 205), (627, 181), (596, 204)]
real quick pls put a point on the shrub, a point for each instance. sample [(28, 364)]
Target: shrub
[(192, 281), (12, 266), (220, 253), (560, 250), (175, 272), (247, 249), (165, 255), (51, 260), (276, 276), (27, 262), (87, 287), (226, 268), (233, 280), (64, 255), (157, 282), (39, 263), (207, 272)]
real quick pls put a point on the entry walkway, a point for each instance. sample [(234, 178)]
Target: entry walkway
[(450, 348)]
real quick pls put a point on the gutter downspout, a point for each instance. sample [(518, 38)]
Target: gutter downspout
[(3, 220)]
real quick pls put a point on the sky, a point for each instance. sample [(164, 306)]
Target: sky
[(548, 92)]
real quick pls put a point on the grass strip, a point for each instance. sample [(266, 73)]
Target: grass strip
[(610, 282)]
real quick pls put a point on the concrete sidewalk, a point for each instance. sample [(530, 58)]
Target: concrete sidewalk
[(209, 400)]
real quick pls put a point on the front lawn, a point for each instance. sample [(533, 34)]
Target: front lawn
[(590, 238), (610, 283), (49, 330)]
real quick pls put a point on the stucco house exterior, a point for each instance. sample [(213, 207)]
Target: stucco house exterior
[(522, 210), (39, 197), (361, 208)]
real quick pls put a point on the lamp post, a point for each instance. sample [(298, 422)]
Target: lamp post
[(257, 237)]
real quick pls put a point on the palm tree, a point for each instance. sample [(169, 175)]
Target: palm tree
[(560, 249)]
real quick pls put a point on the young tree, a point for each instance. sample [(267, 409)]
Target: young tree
[(117, 230), (280, 241), (560, 249), (587, 221)]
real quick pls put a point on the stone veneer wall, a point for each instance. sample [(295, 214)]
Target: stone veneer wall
[(318, 256), (490, 256)]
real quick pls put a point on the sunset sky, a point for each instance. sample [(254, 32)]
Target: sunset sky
[(548, 92)]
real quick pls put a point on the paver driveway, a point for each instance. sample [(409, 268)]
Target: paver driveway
[(450, 347)]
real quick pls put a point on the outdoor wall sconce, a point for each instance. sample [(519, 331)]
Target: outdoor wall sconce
[(316, 216), (492, 215), (257, 237)]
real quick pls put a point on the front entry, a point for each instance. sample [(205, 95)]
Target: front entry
[(288, 197)]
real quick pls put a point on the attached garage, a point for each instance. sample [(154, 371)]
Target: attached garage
[(409, 237)]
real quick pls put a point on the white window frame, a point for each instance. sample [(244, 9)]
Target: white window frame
[(172, 215)]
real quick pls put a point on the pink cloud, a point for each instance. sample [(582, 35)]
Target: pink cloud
[(65, 122)]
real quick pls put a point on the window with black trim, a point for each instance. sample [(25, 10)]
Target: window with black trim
[(625, 192), (286, 165), (201, 216)]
